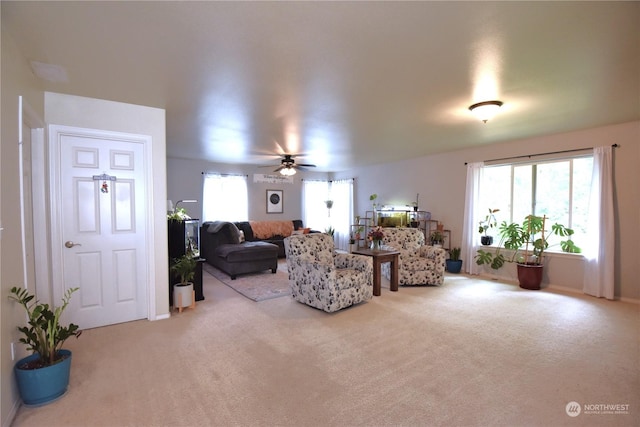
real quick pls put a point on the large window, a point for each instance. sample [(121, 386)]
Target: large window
[(316, 214), (558, 189), (224, 198)]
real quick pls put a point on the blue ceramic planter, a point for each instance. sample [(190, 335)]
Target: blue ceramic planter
[(41, 386), (454, 266)]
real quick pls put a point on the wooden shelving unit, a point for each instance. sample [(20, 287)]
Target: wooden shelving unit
[(399, 218)]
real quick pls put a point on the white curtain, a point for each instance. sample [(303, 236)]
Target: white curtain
[(469, 226), (224, 198), (342, 211), (314, 210), (599, 251)]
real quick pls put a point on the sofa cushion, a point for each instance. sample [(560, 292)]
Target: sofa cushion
[(247, 251), (246, 229)]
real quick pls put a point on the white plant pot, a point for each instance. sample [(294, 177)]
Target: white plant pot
[(182, 295)]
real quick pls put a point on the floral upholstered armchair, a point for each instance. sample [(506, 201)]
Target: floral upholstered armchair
[(419, 264), (324, 279)]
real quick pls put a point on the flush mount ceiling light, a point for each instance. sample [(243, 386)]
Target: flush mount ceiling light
[(485, 110), (287, 171)]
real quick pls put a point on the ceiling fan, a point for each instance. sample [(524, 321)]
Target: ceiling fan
[(288, 165)]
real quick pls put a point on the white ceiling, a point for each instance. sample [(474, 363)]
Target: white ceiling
[(347, 83)]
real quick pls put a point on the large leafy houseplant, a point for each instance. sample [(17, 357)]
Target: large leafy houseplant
[(527, 241), (44, 334), (185, 268)]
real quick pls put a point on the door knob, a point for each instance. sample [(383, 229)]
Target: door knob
[(69, 244)]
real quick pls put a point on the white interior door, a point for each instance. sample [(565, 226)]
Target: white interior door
[(102, 237)]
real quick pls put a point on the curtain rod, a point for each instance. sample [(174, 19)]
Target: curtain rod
[(328, 180), (544, 154), (224, 174)]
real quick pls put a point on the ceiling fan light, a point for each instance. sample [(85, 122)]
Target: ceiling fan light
[(288, 171), (485, 110)]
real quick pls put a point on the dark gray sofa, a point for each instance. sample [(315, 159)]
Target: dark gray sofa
[(221, 247), (245, 227)]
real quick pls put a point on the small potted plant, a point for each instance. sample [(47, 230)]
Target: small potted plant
[(179, 214), (44, 376), (488, 222), (528, 242), (436, 238), (372, 199), (352, 243), (454, 263), (330, 231), (185, 269)]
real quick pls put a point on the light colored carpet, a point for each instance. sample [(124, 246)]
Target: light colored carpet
[(258, 286), (469, 353)]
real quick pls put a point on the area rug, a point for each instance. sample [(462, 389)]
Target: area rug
[(259, 286)]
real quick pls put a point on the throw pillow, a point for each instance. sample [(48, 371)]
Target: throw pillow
[(234, 233)]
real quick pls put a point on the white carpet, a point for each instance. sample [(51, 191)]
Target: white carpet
[(469, 353)]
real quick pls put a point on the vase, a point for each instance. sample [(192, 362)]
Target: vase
[(375, 245)]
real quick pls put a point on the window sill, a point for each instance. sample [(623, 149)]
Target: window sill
[(548, 253)]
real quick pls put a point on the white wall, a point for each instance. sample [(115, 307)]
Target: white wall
[(17, 80), (184, 181), (440, 180), (92, 113)]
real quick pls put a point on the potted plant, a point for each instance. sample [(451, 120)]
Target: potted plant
[(372, 199), (179, 214), (454, 263), (329, 205), (488, 222), (43, 376), (185, 268), (436, 238), (528, 241), (330, 231)]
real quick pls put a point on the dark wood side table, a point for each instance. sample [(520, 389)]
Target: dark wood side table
[(378, 258)]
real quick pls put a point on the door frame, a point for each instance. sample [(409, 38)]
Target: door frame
[(38, 196), (56, 132)]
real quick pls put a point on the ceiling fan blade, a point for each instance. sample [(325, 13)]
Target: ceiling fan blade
[(307, 165), (279, 168)]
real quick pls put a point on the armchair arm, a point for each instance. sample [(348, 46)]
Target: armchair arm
[(309, 265), (357, 262), (438, 255)]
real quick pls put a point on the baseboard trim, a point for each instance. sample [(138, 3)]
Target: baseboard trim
[(12, 412)]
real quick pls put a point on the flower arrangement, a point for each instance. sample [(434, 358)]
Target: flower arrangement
[(376, 234)]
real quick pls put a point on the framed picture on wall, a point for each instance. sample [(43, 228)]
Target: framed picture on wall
[(274, 201)]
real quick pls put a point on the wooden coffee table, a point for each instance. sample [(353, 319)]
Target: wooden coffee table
[(379, 257)]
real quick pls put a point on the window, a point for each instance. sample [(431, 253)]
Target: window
[(314, 194), (557, 188), (224, 198), (316, 214)]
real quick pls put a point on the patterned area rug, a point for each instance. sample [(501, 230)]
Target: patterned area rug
[(256, 286)]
